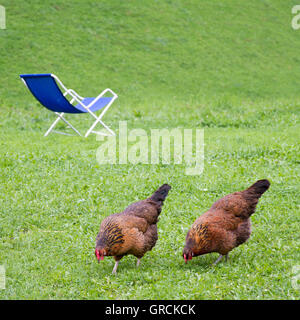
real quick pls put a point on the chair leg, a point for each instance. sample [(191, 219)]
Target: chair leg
[(69, 124), (60, 117), (104, 125), (107, 128), (53, 124), (98, 119)]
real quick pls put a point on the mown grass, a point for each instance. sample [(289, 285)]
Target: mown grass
[(228, 68)]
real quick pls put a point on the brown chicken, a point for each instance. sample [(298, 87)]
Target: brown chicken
[(225, 225), (133, 231)]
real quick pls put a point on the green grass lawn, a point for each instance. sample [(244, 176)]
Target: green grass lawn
[(230, 68)]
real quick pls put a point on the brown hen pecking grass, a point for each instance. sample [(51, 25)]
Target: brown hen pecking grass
[(133, 231), (225, 225)]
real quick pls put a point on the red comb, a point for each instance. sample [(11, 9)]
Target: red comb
[(185, 259)]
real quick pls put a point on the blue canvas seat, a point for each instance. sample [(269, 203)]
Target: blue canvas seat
[(46, 88), (101, 103)]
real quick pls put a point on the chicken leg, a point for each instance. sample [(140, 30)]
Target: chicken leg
[(115, 267), (219, 259)]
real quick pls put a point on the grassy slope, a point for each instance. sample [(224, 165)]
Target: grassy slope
[(228, 68)]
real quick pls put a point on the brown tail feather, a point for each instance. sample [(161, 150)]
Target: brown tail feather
[(160, 194), (258, 188), (253, 193)]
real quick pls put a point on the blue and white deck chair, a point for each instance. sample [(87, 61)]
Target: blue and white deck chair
[(45, 89)]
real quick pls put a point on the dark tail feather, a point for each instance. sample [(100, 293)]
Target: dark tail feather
[(258, 188), (160, 194), (253, 193)]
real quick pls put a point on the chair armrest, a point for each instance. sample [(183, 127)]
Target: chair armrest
[(72, 93), (75, 93)]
